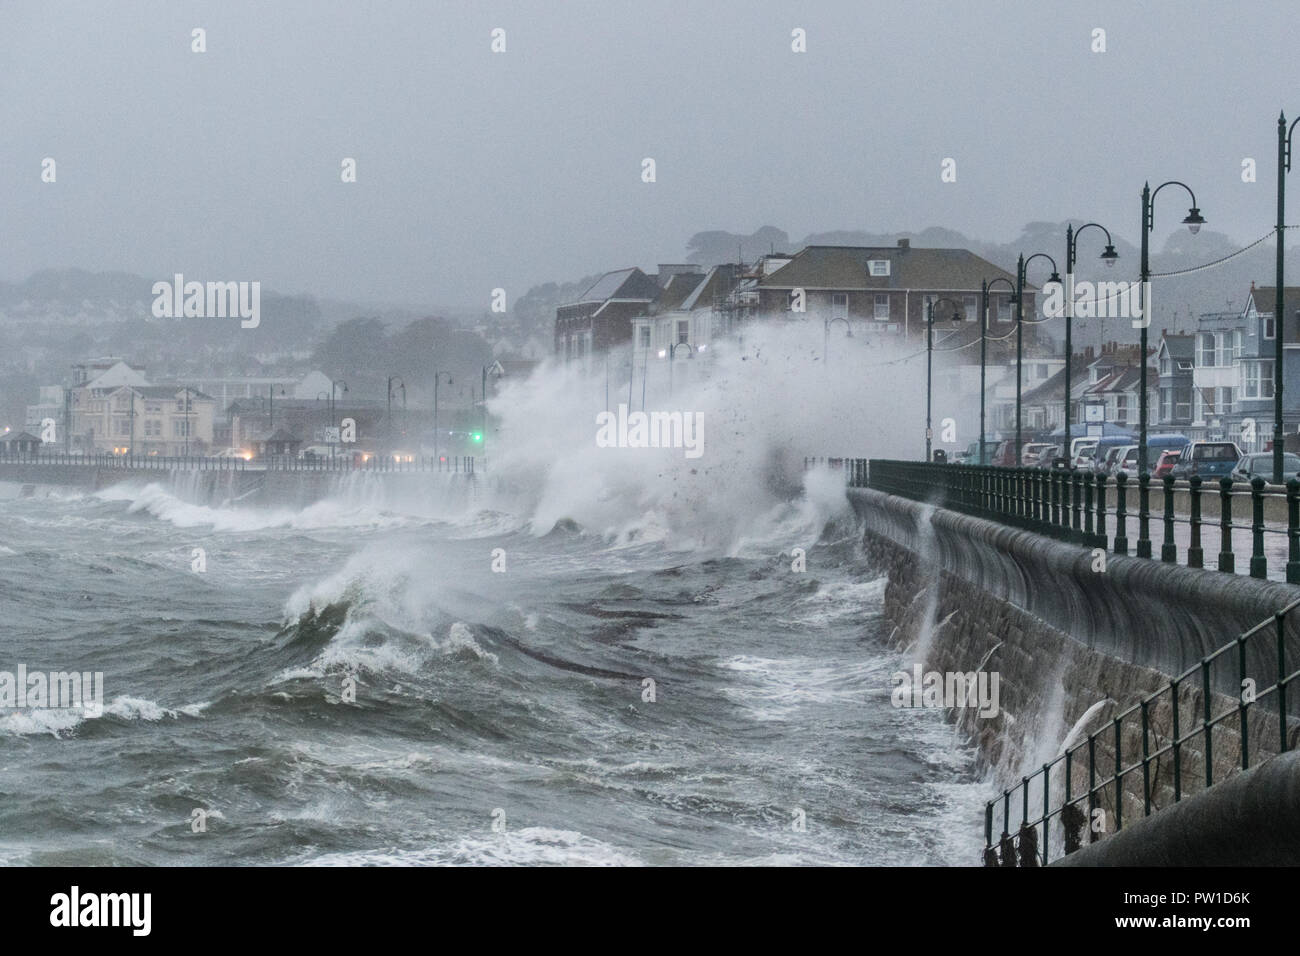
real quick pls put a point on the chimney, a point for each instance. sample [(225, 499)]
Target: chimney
[(904, 244)]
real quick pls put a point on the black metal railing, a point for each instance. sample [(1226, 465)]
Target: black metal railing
[(1150, 750), (1077, 506)]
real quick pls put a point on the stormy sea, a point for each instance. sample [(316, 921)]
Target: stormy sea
[(584, 655)]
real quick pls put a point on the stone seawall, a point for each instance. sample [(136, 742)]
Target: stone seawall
[(1064, 638)]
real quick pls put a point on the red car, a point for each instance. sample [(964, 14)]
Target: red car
[(1165, 464)]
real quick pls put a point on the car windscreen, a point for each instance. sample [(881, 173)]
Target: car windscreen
[(1215, 453)]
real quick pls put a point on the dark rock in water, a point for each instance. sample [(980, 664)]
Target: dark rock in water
[(565, 526)]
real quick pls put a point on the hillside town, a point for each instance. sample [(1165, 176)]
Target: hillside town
[(1213, 384)]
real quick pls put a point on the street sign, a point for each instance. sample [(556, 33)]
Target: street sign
[(1094, 412)]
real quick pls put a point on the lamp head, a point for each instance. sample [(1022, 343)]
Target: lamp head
[(1194, 220), (1109, 256)]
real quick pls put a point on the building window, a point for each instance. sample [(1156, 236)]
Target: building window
[(1004, 310), (1207, 350), (683, 331), (1269, 327), (879, 267), (972, 308), (1166, 404), (1121, 408), (1257, 379), (882, 307), (1164, 364), (839, 305), (1183, 404), (644, 336), (181, 428)]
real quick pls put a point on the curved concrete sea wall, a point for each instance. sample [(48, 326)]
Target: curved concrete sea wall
[(1074, 647)]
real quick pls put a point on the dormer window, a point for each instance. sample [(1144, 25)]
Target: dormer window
[(878, 268)]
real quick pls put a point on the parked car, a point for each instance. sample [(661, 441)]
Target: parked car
[(1261, 465), (1165, 463), (1005, 456), (1083, 453), (1162, 442), (1048, 454), (1107, 461), (1030, 451), (1126, 462), (1105, 445), (1209, 459)]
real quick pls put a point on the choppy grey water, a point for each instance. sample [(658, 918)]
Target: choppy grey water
[(481, 697)]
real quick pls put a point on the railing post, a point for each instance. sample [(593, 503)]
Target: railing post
[(1226, 560), (1195, 553), (1258, 562), (1100, 540), (1119, 764), (1169, 550), (1209, 729), (1087, 509), (1047, 808), (1121, 517), (1054, 498), (1092, 785), (1242, 705), (1178, 744), (1146, 760), (1281, 680), (1076, 506), (1293, 531), (1144, 515)]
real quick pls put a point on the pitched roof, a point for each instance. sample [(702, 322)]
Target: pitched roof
[(1265, 297), (845, 267), (680, 287), (171, 391), (621, 284), (1180, 346)]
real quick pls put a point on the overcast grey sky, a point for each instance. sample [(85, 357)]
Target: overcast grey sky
[(478, 170)]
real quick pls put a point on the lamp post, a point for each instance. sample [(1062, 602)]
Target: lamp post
[(391, 380), (1109, 256), (324, 397), (437, 375), (334, 423), (1022, 266), (985, 287), (1193, 221), (1283, 167), (929, 361)]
